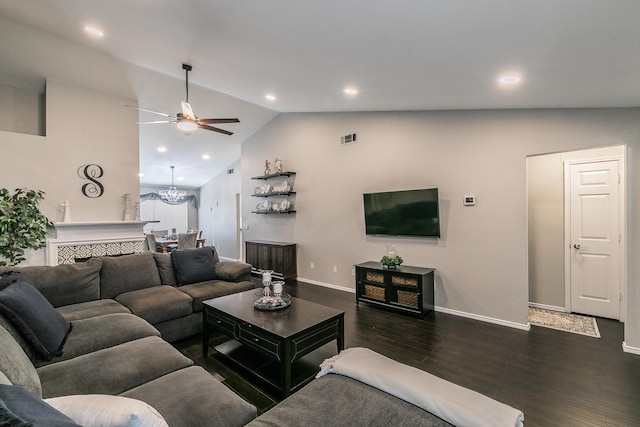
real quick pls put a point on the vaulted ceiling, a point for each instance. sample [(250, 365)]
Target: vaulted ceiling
[(401, 55)]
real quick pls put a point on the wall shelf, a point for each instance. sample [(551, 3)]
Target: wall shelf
[(273, 175)]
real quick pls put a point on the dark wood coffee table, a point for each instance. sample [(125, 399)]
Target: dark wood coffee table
[(283, 336)]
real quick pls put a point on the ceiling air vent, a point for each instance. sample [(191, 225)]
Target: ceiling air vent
[(348, 139)]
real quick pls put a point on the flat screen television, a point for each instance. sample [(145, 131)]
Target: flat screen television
[(402, 213)]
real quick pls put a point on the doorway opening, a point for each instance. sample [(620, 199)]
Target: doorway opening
[(562, 276)]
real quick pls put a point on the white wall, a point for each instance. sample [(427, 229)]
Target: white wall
[(481, 259), (217, 213), (83, 127)]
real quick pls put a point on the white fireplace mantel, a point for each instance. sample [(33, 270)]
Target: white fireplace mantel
[(94, 238)]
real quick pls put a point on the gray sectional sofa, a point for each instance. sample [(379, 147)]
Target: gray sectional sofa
[(122, 312)]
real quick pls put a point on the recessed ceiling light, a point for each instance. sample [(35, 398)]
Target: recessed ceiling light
[(509, 80), (270, 97), (351, 91), (94, 31), (205, 157), (162, 149), (140, 175), (180, 178)]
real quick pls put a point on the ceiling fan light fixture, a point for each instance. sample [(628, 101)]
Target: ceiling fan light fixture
[(187, 125)]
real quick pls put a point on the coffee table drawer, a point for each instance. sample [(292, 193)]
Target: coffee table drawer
[(254, 338), (223, 324)]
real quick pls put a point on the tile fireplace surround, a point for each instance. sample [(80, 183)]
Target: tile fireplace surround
[(76, 240)]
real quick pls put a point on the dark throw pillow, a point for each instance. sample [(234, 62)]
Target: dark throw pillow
[(19, 408), (32, 315), (193, 265)]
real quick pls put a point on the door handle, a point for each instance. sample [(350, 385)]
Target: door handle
[(577, 246)]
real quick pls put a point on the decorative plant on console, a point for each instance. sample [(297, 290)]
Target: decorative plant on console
[(391, 262), (391, 259), (22, 225)]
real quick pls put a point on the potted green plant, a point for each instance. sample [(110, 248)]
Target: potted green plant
[(22, 225)]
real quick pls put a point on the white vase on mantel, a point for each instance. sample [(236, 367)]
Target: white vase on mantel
[(66, 215), (127, 207), (136, 217)]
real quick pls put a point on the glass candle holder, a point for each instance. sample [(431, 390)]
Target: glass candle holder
[(392, 251), (277, 288)]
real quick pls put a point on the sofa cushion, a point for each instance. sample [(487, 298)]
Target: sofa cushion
[(19, 408), (112, 370), (65, 284), (97, 333), (212, 289), (15, 364), (22, 342), (85, 310), (157, 304), (127, 273), (32, 315), (165, 268), (107, 411), (202, 397), (193, 265), (233, 271)]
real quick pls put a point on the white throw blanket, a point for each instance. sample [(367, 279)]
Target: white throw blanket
[(455, 404)]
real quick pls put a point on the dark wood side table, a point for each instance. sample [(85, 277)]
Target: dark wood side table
[(277, 256), (283, 336)]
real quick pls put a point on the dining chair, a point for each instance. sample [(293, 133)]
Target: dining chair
[(159, 233), (185, 241), (152, 245)]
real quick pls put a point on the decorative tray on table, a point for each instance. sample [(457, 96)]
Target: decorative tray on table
[(270, 303)]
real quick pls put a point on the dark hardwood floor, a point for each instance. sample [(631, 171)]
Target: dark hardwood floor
[(556, 378)]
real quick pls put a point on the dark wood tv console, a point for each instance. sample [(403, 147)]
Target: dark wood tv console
[(405, 289)]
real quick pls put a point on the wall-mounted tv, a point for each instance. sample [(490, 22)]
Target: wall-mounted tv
[(402, 213)]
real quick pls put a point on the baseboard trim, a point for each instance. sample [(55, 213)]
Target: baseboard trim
[(628, 349), (521, 326), (224, 258), (507, 323), (327, 285), (547, 307)]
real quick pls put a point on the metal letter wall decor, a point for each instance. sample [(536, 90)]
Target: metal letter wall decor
[(91, 172)]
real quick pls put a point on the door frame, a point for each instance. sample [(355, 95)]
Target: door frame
[(622, 218)]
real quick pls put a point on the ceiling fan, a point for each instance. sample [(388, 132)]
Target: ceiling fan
[(187, 121)]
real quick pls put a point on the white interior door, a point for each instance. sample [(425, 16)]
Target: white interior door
[(594, 238)]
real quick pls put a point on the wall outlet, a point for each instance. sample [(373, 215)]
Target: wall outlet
[(353, 272), (335, 268), (312, 265)]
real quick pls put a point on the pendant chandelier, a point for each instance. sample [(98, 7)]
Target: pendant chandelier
[(172, 194)]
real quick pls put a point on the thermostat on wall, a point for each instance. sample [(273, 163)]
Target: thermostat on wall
[(469, 200)]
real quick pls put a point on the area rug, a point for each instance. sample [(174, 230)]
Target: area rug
[(567, 322)]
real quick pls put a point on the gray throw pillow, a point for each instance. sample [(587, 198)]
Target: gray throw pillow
[(32, 315), (165, 268), (193, 265)]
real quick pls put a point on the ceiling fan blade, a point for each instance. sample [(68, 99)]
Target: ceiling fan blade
[(207, 127), (150, 111), (156, 121), (187, 111), (209, 121)]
